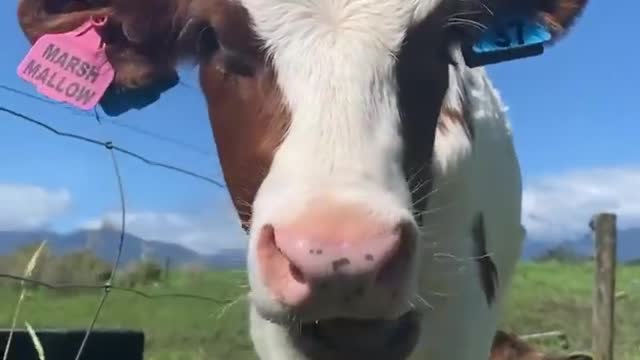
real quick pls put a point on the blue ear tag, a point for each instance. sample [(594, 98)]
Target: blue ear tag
[(508, 39), (117, 100)]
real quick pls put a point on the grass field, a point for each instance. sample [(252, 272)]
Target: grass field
[(545, 296)]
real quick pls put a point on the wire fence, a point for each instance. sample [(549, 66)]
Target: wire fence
[(114, 152)]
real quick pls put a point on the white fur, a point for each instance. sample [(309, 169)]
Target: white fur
[(459, 324), (344, 123)]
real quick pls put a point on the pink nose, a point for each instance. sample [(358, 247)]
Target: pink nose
[(334, 257)]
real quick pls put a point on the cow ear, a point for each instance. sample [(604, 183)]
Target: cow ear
[(143, 41), (513, 29), (136, 63), (41, 17), (505, 345), (556, 16), (559, 16)]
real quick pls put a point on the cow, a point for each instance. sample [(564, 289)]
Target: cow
[(367, 153), (508, 346)]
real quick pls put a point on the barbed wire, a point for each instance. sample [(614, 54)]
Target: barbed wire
[(129, 127), (109, 145), (106, 287), (116, 263), (112, 149)]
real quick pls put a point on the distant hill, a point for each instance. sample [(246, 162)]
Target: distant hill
[(104, 243), (628, 246)]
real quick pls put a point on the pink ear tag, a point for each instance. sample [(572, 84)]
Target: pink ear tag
[(71, 67)]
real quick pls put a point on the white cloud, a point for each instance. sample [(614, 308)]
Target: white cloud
[(205, 231), (555, 207), (561, 206), (26, 207)]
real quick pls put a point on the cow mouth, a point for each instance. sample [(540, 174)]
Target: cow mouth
[(343, 338)]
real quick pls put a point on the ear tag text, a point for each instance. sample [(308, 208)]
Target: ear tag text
[(70, 67), (508, 39)]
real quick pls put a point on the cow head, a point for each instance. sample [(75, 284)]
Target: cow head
[(325, 115), (508, 346)]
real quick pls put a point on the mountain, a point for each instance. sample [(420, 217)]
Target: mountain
[(104, 243), (628, 246)]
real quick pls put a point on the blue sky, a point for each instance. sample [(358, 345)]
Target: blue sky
[(574, 112)]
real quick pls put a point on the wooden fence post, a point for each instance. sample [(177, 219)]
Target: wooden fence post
[(604, 231), (167, 266)]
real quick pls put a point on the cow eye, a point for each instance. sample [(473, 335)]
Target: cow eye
[(236, 63), (227, 58), (207, 42)]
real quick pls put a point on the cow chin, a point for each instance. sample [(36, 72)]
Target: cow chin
[(332, 277), (281, 332), (339, 338)]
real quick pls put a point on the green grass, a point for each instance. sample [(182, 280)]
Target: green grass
[(557, 296), (549, 296)]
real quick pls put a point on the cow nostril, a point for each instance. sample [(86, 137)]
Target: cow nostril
[(340, 263), (396, 265), (296, 273), (344, 264)]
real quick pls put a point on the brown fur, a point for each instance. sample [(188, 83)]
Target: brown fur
[(558, 15), (508, 346), (561, 15), (156, 49), (243, 112), (247, 114)]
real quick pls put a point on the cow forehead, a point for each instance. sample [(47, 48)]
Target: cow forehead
[(338, 76), (275, 19), (348, 29), (334, 62)]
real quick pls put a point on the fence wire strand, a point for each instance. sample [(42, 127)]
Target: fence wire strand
[(112, 149), (109, 145), (116, 263), (133, 291), (144, 132)]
